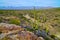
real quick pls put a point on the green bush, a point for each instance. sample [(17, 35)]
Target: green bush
[(53, 36), (0, 19), (0, 32), (14, 21)]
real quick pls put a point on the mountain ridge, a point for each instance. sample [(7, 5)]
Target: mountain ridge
[(23, 7)]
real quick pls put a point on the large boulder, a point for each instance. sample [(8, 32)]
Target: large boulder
[(14, 32), (40, 38), (4, 27)]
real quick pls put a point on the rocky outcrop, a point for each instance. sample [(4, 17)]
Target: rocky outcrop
[(40, 38), (14, 32), (9, 27)]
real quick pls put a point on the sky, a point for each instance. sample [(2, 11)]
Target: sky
[(41, 3)]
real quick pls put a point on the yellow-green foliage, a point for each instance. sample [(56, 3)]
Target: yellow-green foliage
[(14, 21)]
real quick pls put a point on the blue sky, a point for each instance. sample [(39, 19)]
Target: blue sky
[(17, 3)]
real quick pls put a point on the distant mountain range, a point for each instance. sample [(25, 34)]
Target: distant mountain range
[(23, 8)]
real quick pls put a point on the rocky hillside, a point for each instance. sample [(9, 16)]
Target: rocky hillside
[(41, 24), (14, 32)]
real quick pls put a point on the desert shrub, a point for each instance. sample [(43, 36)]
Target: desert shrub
[(0, 19), (0, 32), (6, 38), (14, 21), (1, 12), (31, 30), (47, 39), (53, 36)]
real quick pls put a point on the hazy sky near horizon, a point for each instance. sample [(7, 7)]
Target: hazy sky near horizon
[(17, 3)]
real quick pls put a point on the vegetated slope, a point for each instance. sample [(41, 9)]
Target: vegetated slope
[(47, 21)]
